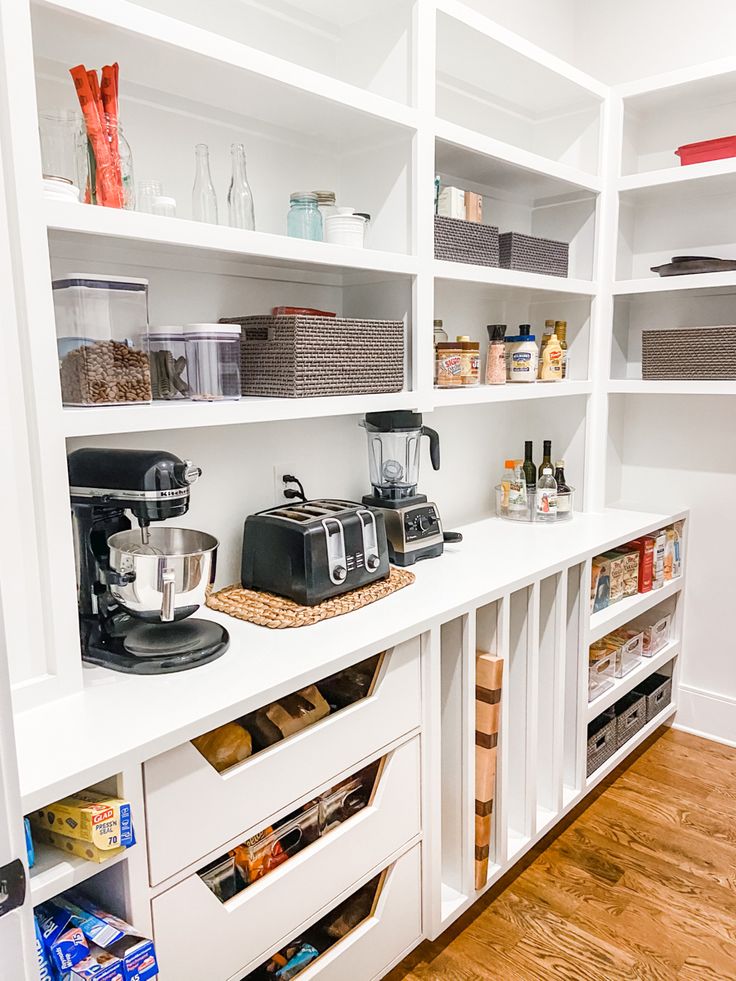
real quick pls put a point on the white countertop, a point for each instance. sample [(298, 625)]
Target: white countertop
[(118, 719)]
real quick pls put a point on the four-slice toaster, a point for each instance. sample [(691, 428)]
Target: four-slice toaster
[(314, 550)]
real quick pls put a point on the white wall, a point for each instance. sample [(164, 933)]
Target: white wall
[(627, 39), (548, 23)]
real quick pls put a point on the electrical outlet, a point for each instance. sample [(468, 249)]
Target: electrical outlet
[(279, 470)]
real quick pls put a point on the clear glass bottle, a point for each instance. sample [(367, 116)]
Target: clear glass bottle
[(304, 219), (239, 196), (546, 497), (204, 199)]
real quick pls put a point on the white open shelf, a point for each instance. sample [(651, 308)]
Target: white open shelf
[(617, 614), (709, 173), (54, 871), (620, 755), (512, 279), (695, 284), (646, 667), (510, 393), (634, 386)]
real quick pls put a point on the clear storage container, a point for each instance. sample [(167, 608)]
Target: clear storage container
[(564, 512), (213, 361), (168, 360), (102, 339), (656, 634), (628, 653), (266, 851), (600, 672)]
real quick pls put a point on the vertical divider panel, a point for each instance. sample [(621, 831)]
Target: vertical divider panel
[(468, 748), (501, 824), (520, 729), (532, 709), (576, 678), (558, 712), (136, 894), (551, 693), (431, 779)]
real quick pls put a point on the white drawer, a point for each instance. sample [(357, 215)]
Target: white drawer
[(198, 937), (394, 927), (218, 807)]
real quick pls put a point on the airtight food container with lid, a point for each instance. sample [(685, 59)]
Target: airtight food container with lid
[(213, 361)]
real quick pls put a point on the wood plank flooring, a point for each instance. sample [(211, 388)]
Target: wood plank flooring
[(639, 886)]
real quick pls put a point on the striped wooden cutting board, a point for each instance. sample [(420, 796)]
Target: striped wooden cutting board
[(488, 677)]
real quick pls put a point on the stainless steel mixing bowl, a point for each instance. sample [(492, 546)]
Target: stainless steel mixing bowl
[(172, 571)]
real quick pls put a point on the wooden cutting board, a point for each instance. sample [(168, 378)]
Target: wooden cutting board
[(488, 679)]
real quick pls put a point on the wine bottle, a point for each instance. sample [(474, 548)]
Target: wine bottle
[(530, 471), (546, 464)]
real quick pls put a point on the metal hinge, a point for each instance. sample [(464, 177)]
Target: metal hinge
[(12, 886)]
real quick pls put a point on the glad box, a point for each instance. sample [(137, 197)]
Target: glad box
[(104, 822)]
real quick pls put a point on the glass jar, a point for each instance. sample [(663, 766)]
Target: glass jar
[(60, 131), (304, 219), (168, 361), (326, 202), (148, 191), (213, 361), (102, 338), (470, 360), (440, 334), (116, 182)]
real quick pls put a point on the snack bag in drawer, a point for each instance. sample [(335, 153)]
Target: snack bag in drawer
[(103, 821)]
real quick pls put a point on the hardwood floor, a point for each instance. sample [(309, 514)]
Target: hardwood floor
[(640, 884)]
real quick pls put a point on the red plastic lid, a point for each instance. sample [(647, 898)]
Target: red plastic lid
[(721, 142)]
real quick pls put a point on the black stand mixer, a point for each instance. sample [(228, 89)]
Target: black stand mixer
[(138, 588), (413, 524)]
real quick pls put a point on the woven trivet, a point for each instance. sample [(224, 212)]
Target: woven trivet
[(277, 612)]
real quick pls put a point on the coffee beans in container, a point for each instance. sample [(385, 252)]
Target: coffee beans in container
[(102, 337)]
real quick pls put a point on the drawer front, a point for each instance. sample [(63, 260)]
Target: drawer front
[(198, 937), (396, 925), (220, 806)]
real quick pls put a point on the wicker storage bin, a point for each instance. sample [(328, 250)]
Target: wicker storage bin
[(657, 690), (631, 715), (601, 740), (465, 241), (527, 253), (692, 354), (302, 357)]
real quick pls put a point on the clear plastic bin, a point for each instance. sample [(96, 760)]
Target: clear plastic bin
[(266, 851), (346, 799), (656, 635), (213, 361), (529, 514), (600, 673), (102, 339), (629, 651), (168, 360)]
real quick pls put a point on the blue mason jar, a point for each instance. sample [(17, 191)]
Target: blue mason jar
[(304, 219)]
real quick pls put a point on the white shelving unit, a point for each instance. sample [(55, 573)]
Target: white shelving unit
[(380, 100)]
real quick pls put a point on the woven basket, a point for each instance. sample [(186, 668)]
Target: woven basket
[(692, 354), (456, 240), (601, 740), (631, 715), (526, 253), (302, 357), (657, 689)]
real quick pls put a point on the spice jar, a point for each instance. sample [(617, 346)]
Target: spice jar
[(496, 357), (470, 359), (448, 365), (523, 357), (102, 339), (213, 361), (167, 357)]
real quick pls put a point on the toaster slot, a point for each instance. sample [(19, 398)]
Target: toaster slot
[(336, 555), (290, 514)]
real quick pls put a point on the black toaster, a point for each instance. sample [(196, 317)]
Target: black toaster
[(314, 550)]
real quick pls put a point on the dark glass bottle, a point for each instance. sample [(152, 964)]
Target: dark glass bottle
[(546, 463), (530, 471), (564, 503)]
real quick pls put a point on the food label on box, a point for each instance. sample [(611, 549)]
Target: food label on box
[(104, 822)]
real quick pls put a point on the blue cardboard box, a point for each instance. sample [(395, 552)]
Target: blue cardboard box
[(64, 941), (137, 953)]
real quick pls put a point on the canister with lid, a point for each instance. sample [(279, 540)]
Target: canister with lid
[(168, 360), (496, 357), (213, 361), (448, 365)]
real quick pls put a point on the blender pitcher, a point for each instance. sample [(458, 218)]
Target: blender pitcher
[(394, 442)]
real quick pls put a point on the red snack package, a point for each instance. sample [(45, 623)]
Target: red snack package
[(109, 191)]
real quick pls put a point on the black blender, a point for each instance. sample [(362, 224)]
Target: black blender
[(137, 587), (413, 524)]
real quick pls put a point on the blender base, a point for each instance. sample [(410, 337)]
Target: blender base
[(160, 648), (404, 559)]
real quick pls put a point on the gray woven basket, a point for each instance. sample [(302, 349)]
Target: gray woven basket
[(527, 253), (302, 357), (456, 240), (601, 740), (691, 354), (657, 690), (631, 715)]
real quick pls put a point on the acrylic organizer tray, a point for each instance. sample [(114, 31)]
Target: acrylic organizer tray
[(529, 514)]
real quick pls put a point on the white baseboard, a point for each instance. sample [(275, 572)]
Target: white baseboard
[(703, 713)]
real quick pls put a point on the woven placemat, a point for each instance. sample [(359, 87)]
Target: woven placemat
[(268, 610)]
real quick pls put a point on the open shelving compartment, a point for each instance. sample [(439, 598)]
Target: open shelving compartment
[(174, 96), (366, 46), (531, 100)]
